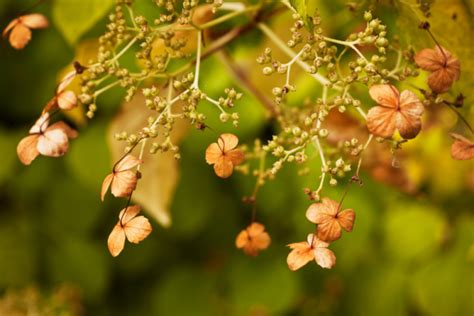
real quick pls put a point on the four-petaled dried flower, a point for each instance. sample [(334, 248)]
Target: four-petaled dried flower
[(395, 111), (224, 155), (330, 219), (20, 27), (52, 141), (462, 148), (312, 249), (130, 226), (253, 239), (444, 68), (122, 180)]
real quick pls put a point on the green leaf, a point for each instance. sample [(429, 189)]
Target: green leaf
[(413, 231), (75, 17)]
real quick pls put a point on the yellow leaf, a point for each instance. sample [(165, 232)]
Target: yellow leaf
[(159, 171)]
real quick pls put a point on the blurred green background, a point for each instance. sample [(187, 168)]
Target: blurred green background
[(408, 254)]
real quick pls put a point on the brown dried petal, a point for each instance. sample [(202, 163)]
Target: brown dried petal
[(385, 95), (26, 149), (381, 121), (462, 148)]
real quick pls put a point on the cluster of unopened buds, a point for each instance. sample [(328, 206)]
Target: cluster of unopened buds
[(395, 113)]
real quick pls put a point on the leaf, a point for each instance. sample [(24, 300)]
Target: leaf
[(413, 232), (75, 17), (159, 172), (85, 52)]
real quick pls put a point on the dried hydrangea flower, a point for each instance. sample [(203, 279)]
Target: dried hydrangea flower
[(462, 148), (64, 99), (52, 141), (330, 219), (224, 155), (311, 249), (253, 239), (131, 227), (19, 28), (122, 180), (444, 68), (395, 111)]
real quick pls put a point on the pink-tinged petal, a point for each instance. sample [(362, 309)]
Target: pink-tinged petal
[(381, 121), (242, 239), (20, 36), (9, 27), (228, 142), (137, 229), (429, 59), (255, 229), (116, 240), (67, 100), (34, 21), (324, 257), (66, 81), (301, 254), (385, 95), (124, 183), (346, 219), (70, 132), (318, 213), (408, 125), (53, 143), (128, 213), (329, 230), (41, 124), (26, 149), (127, 163), (318, 243), (105, 185), (441, 80), (410, 103), (213, 153), (224, 167), (236, 156)]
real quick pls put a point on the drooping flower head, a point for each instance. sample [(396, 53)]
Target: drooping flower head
[(394, 111), (122, 180), (330, 219), (311, 249), (131, 227), (253, 239), (51, 141), (20, 29), (224, 155), (444, 68)]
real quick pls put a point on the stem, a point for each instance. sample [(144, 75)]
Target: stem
[(195, 84), (104, 89), (359, 164), (351, 45), (124, 50)]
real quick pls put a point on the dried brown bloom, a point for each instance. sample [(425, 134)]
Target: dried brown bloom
[(122, 180), (253, 239), (444, 68), (52, 141), (330, 219), (312, 249), (224, 155), (19, 28), (462, 148), (130, 226), (395, 111)]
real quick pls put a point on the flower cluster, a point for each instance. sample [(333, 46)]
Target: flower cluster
[(368, 63)]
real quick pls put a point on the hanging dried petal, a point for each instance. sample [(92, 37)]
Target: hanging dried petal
[(462, 148)]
